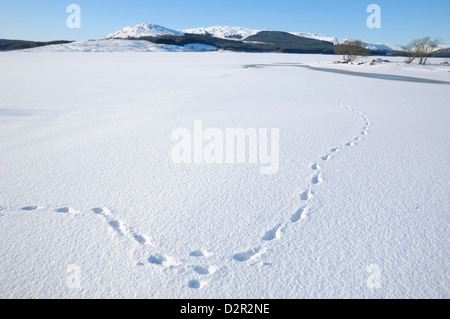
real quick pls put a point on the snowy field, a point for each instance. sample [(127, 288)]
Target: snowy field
[(92, 204)]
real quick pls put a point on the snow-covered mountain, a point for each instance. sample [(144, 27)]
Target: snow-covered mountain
[(142, 30), (320, 37), (382, 46), (224, 32)]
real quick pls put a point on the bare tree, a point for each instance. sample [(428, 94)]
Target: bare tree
[(411, 54), (351, 50), (421, 49)]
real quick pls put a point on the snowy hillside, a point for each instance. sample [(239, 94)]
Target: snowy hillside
[(121, 46), (335, 40), (227, 32), (142, 30), (224, 32), (381, 46), (320, 37)]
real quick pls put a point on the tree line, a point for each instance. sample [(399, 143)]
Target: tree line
[(418, 49)]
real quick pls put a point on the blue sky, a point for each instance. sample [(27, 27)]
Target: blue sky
[(402, 20)]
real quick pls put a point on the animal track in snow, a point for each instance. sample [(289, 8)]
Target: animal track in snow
[(300, 215), (116, 226), (249, 255), (317, 179), (196, 284), (306, 195), (67, 210), (34, 207), (113, 223), (205, 270), (205, 273), (140, 239), (273, 234), (120, 227), (200, 253), (29, 208), (165, 261), (200, 269)]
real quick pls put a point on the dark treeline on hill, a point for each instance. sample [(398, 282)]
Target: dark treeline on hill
[(220, 44), (9, 45), (288, 43), (442, 53), (265, 41)]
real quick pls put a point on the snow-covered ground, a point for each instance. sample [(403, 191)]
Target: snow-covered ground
[(92, 204), (115, 45)]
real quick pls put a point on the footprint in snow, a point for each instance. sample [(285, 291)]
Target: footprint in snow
[(30, 208), (105, 212), (200, 253), (165, 261), (140, 239), (273, 234), (205, 270), (248, 255), (33, 207), (300, 215), (316, 180), (306, 195), (116, 226), (195, 284), (66, 210)]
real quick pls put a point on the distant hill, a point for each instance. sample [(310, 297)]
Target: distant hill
[(224, 32), (288, 43), (9, 45), (231, 33), (142, 30), (265, 41), (442, 53), (221, 38)]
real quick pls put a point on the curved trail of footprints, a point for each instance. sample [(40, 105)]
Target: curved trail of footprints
[(145, 250), (307, 196)]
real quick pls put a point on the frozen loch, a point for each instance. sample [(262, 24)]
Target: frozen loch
[(93, 204)]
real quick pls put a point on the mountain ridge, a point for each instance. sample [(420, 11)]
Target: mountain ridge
[(230, 33), (142, 30)]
